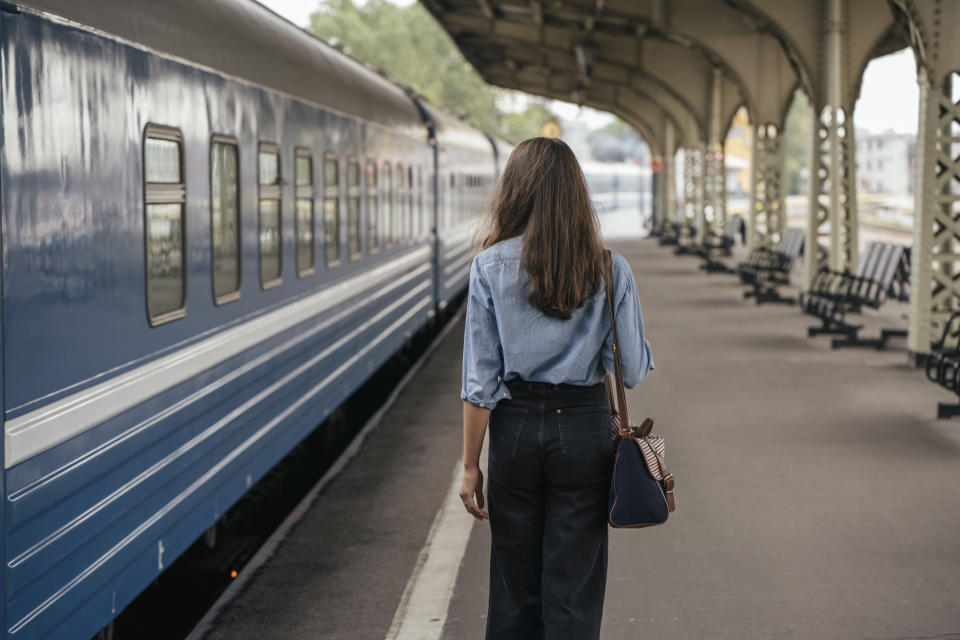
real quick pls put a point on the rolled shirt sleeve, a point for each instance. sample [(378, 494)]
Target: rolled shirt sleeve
[(636, 358), (482, 353)]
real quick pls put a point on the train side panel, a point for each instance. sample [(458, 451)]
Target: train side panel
[(466, 177), (124, 441), (3, 467)]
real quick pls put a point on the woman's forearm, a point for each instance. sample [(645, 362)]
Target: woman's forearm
[(474, 427)]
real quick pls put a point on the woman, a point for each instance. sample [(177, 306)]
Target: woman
[(537, 345)]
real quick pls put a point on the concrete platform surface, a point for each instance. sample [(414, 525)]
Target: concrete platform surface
[(818, 497)]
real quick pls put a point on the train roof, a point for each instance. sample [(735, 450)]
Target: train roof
[(244, 39), (504, 148), (453, 132)]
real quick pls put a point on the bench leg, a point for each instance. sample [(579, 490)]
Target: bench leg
[(871, 343), (854, 341), (945, 410), (917, 360), (886, 334), (827, 327), (772, 295), (713, 266), (822, 331)]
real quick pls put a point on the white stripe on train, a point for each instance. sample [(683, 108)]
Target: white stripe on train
[(42, 428)]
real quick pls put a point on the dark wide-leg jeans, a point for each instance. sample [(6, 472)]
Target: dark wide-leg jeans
[(551, 454)]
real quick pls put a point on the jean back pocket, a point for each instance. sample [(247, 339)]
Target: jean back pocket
[(586, 432), (506, 425)]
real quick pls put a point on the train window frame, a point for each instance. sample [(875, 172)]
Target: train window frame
[(355, 192), (229, 296), (331, 192), (422, 223), (454, 210), (411, 213), (164, 193), (400, 197), (386, 182), (271, 191), (373, 205), (304, 192)]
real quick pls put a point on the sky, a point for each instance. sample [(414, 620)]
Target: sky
[(888, 96)]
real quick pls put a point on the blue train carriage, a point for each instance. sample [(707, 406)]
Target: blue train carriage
[(466, 176), (214, 229)]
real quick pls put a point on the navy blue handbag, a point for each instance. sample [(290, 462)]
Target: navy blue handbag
[(641, 489)]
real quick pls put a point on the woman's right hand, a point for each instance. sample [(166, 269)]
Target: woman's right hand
[(471, 492)]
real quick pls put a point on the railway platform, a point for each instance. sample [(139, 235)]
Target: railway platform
[(818, 496)]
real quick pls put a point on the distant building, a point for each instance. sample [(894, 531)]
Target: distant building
[(885, 162), (738, 151)]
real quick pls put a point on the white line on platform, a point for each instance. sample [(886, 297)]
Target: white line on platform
[(422, 611), (206, 623)]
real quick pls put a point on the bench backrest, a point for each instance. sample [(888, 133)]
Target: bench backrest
[(950, 338), (868, 286), (881, 280), (868, 259), (791, 243), (900, 287), (890, 269)]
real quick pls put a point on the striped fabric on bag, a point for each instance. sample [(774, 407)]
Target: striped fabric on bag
[(648, 445)]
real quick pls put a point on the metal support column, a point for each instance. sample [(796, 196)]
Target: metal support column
[(817, 246), (667, 193), (715, 193), (656, 214), (832, 228), (692, 211), (935, 258), (841, 153), (767, 213)]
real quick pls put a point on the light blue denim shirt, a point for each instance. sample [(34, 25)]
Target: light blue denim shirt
[(506, 337)]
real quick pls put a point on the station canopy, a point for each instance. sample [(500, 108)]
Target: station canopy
[(657, 61)]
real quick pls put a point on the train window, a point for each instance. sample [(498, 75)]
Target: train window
[(387, 181), (430, 198), (452, 199), (306, 261), (225, 218), (422, 224), (399, 218), (331, 209), (164, 195), (373, 207), (411, 231), (353, 208), (270, 182)]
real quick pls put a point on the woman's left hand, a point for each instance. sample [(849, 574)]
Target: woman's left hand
[(471, 492)]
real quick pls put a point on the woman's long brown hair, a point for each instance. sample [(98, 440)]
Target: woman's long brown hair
[(542, 194)]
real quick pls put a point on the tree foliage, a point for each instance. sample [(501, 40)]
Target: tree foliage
[(617, 142), (796, 134), (414, 50), (520, 125)]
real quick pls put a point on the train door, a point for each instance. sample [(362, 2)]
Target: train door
[(3, 459), (439, 223)]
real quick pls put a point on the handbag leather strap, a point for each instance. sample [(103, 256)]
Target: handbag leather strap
[(620, 408)]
